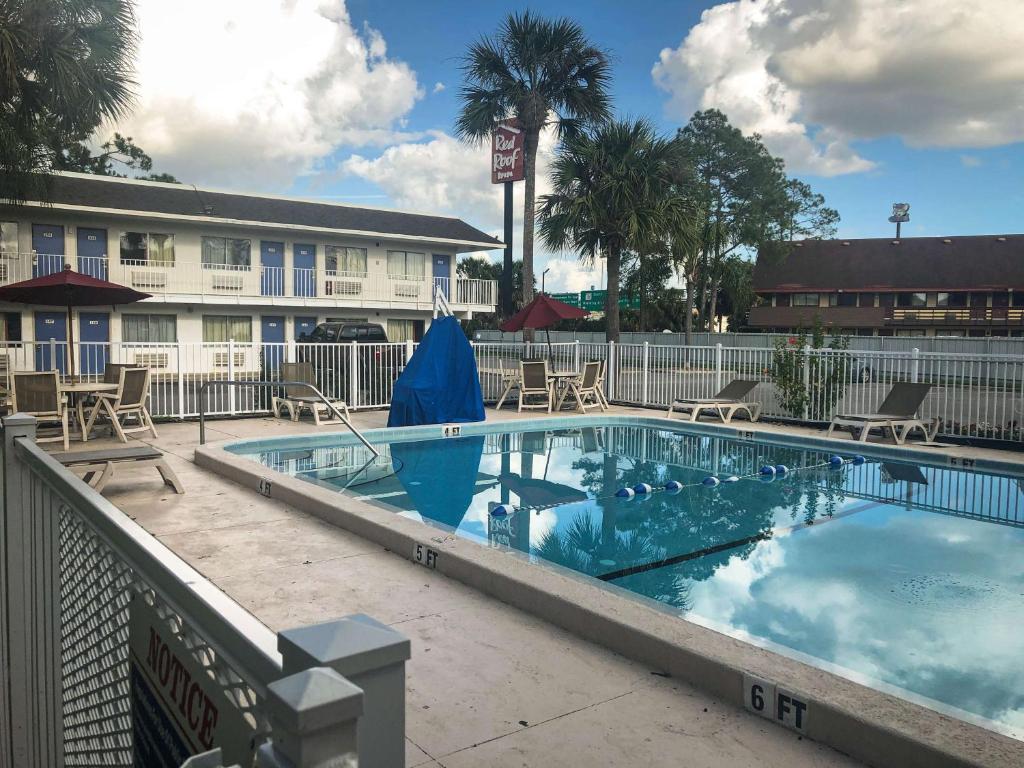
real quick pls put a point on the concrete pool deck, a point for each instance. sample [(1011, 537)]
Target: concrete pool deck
[(487, 683)]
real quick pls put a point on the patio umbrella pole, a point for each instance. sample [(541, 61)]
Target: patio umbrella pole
[(547, 331), (71, 346)]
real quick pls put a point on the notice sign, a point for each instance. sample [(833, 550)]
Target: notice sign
[(507, 152), (178, 710)]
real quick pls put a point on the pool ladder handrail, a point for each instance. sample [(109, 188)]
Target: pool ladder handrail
[(266, 384)]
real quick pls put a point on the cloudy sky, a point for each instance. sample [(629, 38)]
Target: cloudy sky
[(870, 101)]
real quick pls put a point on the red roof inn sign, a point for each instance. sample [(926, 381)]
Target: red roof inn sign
[(507, 152)]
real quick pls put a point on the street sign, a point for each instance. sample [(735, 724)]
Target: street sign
[(572, 299), (507, 152), (594, 301)]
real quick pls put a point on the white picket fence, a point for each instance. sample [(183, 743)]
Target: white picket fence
[(976, 396)]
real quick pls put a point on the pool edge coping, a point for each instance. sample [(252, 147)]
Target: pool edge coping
[(868, 724)]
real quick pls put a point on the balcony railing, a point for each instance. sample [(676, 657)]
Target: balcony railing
[(191, 278), (956, 316)]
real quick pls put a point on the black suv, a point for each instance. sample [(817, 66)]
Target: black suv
[(329, 348)]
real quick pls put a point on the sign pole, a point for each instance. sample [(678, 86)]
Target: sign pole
[(507, 302)]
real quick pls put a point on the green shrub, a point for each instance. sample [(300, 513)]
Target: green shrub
[(827, 374)]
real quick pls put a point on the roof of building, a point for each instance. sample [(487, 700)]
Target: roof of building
[(184, 201), (976, 262)]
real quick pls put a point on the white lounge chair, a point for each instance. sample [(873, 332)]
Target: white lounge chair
[(897, 413), (725, 404), (98, 467), (295, 400)]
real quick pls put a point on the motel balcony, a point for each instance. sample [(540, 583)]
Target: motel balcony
[(887, 317), (181, 281)]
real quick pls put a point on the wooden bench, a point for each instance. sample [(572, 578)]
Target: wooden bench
[(97, 467)]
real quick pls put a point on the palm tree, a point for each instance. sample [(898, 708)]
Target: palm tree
[(65, 66), (614, 192), (542, 72)]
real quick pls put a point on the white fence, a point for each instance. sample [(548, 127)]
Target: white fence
[(81, 685), (975, 396)]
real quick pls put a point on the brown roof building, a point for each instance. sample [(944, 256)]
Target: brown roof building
[(919, 286)]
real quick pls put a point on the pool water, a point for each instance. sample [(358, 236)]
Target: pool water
[(906, 577)]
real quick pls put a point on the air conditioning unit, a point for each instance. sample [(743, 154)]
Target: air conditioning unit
[(142, 279), (344, 288), (220, 359), (151, 359), (226, 282), (407, 290)]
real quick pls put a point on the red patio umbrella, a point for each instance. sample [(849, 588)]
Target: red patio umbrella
[(69, 289), (542, 312)]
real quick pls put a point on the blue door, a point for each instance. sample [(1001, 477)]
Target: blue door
[(272, 339), (51, 325), (272, 275), (92, 252), (93, 337), (304, 269), (442, 273), (304, 326), (48, 243)]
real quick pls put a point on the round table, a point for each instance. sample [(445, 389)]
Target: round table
[(77, 390)]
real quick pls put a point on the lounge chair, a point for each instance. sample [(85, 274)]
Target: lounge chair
[(509, 376), (725, 404), (535, 382), (128, 401), (39, 395), (897, 413), (584, 389), (295, 400), (600, 384), (97, 467)]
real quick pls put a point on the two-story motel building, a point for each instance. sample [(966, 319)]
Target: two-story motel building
[(226, 265)]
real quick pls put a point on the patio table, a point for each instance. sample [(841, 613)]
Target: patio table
[(78, 391)]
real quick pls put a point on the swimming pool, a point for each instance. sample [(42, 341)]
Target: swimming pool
[(905, 577)]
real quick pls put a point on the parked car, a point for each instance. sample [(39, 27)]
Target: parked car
[(329, 348)]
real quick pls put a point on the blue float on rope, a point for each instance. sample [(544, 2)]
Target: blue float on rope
[(502, 510), (625, 493), (673, 486), (835, 461), (710, 481), (858, 460), (768, 471), (730, 479), (641, 489), (781, 469)]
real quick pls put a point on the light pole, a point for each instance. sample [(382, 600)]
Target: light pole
[(542, 276)]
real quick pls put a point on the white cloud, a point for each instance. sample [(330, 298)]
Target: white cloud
[(251, 95), (445, 175), (812, 76), (438, 87), (970, 161)]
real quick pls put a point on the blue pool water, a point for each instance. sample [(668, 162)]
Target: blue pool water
[(906, 577)]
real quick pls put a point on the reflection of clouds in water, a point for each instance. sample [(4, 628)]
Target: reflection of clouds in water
[(924, 602), (541, 522)]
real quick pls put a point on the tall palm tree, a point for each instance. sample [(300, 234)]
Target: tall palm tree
[(614, 192), (65, 66), (542, 72)]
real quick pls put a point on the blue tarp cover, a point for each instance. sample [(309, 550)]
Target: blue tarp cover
[(440, 385)]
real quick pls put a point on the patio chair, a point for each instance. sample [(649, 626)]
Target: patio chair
[(897, 413), (584, 389), (39, 395), (726, 404), (535, 382), (295, 399), (509, 380), (127, 402), (97, 467), (600, 384), (112, 372)]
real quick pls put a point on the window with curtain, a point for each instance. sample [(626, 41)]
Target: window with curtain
[(805, 299), (226, 253), (342, 259), (400, 330), (8, 237), (147, 248), (407, 264), (149, 328), (217, 328)]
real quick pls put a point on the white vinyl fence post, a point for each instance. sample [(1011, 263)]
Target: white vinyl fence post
[(370, 655), (179, 368), (53, 355), (231, 375), (718, 367), (609, 383), (409, 349), (353, 375), (915, 364), (807, 379), (577, 363), (291, 352), (313, 719), (646, 373)]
